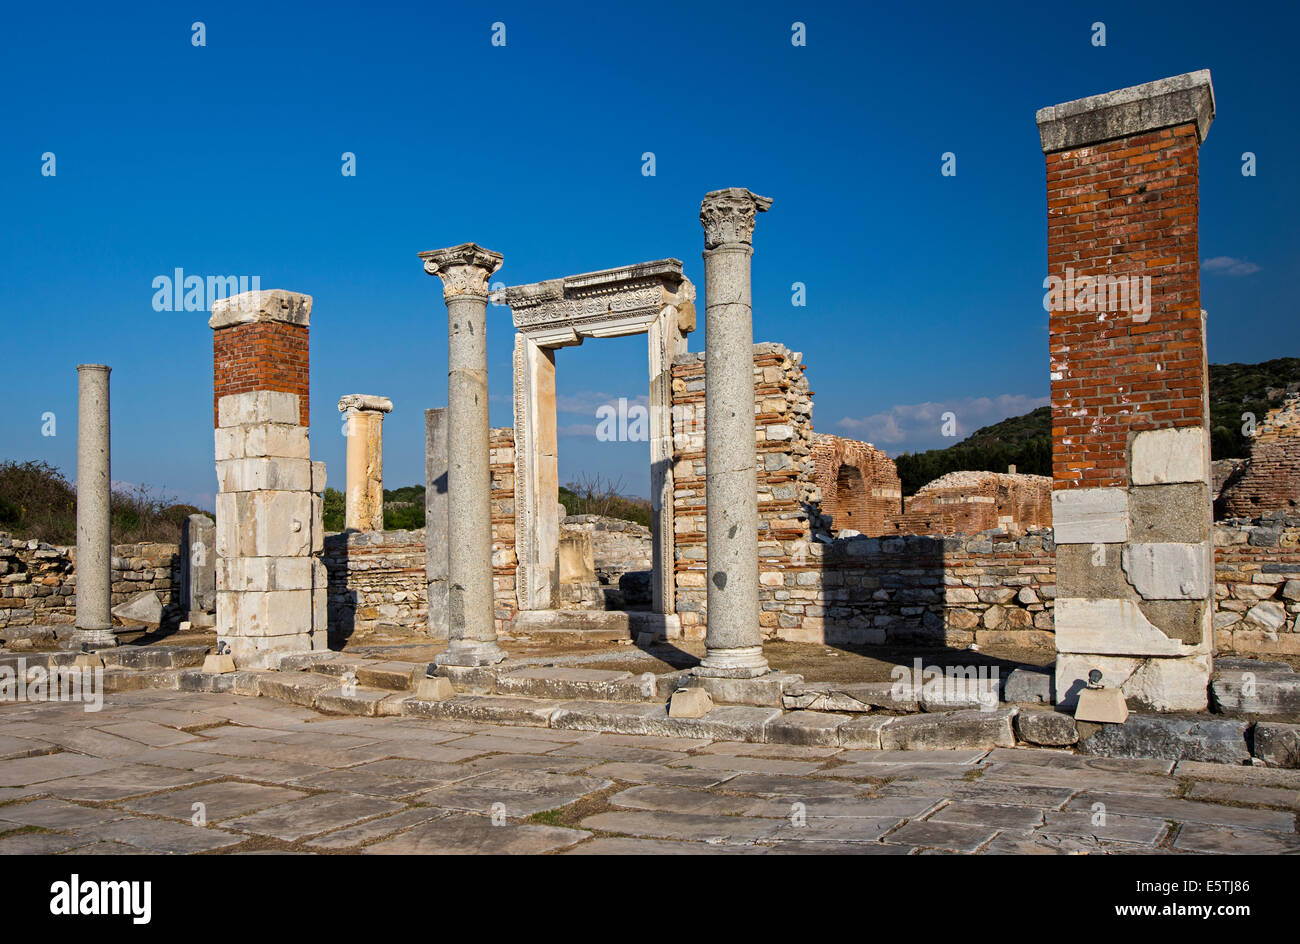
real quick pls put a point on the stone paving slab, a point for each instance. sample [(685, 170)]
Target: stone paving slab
[(473, 784), (221, 801), (315, 814), (12, 748), (464, 833)]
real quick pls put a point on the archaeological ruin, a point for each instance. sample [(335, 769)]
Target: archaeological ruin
[(762, 529)]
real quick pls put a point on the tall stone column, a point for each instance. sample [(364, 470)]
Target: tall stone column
[(1130, 411), (94, 486), (435, 518), (364, 499), (733, 639), (465, 271)]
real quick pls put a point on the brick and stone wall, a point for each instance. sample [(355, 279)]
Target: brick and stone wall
[(969, 502), (1270, 479), (270, 355), (38, 581), (787, 490), (504, 559), (1257, 585)]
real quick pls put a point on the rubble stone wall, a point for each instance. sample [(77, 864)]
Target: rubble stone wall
[(38, 581)]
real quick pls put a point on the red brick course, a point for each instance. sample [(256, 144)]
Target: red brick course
[(267, 355)]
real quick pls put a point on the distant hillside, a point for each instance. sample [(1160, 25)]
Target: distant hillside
[(1026, 441)]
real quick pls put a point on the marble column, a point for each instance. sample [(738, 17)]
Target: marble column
[(364, 499), (733, 639), (465, 271), (94, 546)]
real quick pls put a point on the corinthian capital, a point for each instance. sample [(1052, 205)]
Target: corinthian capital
[(464, 269), (728, 216)]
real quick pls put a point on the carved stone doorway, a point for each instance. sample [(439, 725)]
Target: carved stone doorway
[(651, 298)]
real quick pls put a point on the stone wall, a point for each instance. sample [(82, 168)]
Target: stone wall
[(787, 490), (375, 578), (917, 590), (1257, 585), (504, 560), (38, 581)]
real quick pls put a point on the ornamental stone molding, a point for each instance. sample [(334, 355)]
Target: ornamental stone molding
[(464, 269), (728, 216), (364, 402), (607, 303)]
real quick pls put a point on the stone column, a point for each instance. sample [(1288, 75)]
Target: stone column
[(435, 518), (733, 638), (1130, 411), (94, 486), (364, 501), (198, 543), (465, 271)]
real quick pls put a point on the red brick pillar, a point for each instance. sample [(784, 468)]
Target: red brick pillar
[(270, 586), (1130, 411)]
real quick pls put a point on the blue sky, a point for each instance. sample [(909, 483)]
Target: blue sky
[(923, 291)]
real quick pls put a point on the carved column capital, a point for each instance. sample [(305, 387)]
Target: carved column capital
[(728, 216), (464, 269)]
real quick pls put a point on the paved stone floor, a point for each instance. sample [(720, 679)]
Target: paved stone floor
[(164, 771)]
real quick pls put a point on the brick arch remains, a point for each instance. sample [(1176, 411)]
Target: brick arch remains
[(860, 487)]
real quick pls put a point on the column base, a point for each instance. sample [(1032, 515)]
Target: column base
[(94, 638), (471, 653), (744, 663)]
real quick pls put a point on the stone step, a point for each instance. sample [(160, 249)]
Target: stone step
[(563, 682), (1255, 687), (598, 624), (307, 689)]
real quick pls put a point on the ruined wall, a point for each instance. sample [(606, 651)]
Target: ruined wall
[(970, 502), (1270, 479), (859, 484), (618, 546), (1257, 586), (501, 442), (787, 490), (38, 581), (375, 578)]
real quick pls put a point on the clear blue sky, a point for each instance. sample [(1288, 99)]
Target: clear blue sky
[(924, 291)]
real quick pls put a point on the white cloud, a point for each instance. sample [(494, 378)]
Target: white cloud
[(912, 427), (1227, 265)]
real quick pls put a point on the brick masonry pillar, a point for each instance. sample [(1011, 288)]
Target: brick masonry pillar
[(1130, 406), (270, 585)]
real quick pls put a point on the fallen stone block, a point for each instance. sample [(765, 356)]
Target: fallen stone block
[(1101, 706), (690, 703), (1157, 736), (1028, 686), (1278, 745), (143, 609), (806, 728), (1046, 728), (394, 676), (950, 730)]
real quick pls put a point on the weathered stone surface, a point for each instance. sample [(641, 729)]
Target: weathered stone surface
[(1090, 516), (1163, 684), (143, 609), (1278, 745), (810, 728), (1047, 728), (863, 733), (690, 703), (1169, 571), (766, 690), (1174, 738), (950, 730), (725, 722), (1109, 627), (1166, 456), (1258, 689), (1026, 685), (1101, 706), (1176, 100)]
